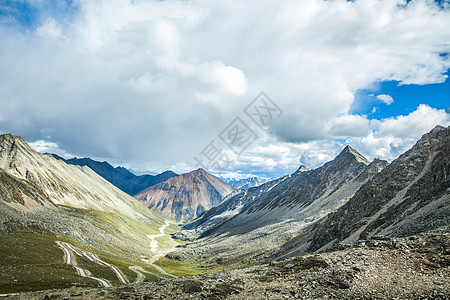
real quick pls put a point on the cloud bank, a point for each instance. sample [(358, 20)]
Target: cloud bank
[(148, 84)]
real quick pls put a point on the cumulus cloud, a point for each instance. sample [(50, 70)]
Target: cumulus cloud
[(348, 125), (152, 82), (390, 137), (386, 99), (49, 147), (420, 121), (230, 80)]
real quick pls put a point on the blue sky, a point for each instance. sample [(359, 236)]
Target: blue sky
[(27, 15), (149, 84), (406, 98)]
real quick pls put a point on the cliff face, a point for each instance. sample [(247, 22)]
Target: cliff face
[(185, 197)]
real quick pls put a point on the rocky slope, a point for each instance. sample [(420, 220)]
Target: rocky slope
[(410, 196), (230, 206), (280, 212), (63, 184), (43, 200), (342, 202), (185, 197), (119, 176)]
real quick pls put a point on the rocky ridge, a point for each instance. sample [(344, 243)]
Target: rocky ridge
[(230, 206), (410, 196)]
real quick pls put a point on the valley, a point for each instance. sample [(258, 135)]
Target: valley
[(67, 232)]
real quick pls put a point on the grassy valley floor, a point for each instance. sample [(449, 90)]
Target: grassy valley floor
[(32, 262)]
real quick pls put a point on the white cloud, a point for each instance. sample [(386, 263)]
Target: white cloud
[(49, 147), (231, 80), (348, 125), (155, 81), (386, 99), (166, 33), (420, 121), (390, 137), (50, 29), (385, 139)]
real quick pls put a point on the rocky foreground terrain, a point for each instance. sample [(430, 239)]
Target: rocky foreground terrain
[(417, 267)]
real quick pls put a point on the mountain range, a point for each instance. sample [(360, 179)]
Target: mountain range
[(119, 176), (351, 228), (245, 183), (345, 200)]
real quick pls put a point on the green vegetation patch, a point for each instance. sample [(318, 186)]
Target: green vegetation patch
[(118, 259), (30, 262), (178, 268), (172, 228)]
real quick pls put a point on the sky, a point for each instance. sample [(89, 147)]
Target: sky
[(240, 88)]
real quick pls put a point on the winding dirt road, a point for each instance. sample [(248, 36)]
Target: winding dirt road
[(70, 252), (70, 260), (138, 270), (154, 245)]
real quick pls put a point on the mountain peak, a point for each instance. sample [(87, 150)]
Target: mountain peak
[(437, 132), (302, 168), (434, 138), (186, 196), (10, 144), (349, 152), (437, 128), (9, 137), (6, 136), (199, 171)]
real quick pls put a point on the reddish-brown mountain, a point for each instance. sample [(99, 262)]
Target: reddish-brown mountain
[(186, 196)]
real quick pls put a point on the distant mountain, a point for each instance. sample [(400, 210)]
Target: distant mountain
[(119, 176), (230, 207), (185, 197), (44, 201), (245, 183)]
